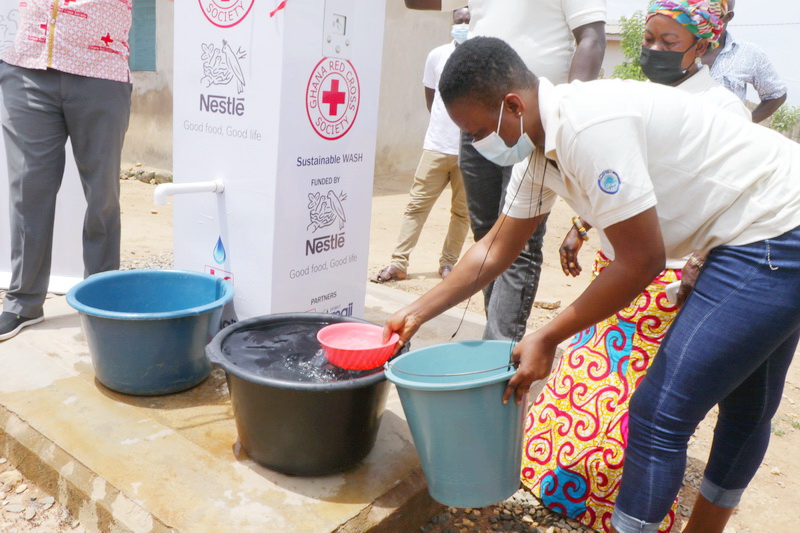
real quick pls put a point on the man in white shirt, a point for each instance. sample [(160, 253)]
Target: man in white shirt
[(437, 167), (563, 40), (737, 64), (663, 174)]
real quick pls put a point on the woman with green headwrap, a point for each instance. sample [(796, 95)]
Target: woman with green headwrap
[(576, 430)]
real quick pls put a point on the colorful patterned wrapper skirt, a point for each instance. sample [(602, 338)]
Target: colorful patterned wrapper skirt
[(577, 428)]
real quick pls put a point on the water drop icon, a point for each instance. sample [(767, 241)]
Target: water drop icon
[(219, 252)]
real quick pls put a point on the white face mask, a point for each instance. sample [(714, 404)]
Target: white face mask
[(459, 32), (495, 149)]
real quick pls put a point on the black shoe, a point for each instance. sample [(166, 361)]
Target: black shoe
[(12, 323)]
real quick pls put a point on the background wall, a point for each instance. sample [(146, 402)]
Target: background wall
[(149, 137), (402, 117)]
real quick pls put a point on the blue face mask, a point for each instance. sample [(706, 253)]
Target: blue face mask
[(495, 149), (459, 32)]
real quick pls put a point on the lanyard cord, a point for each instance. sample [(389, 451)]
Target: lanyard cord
[(528, 275)]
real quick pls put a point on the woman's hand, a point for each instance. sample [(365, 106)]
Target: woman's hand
[(569, 253), (638, 261), (473, 272), (405, 323), (533, 357), (689, 274)]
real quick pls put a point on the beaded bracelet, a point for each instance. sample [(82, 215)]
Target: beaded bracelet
[(578, 223)]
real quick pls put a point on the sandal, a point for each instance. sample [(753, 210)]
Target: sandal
[(445, 270), (390, 273)]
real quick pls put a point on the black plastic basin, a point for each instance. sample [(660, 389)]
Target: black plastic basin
[(295, 412)]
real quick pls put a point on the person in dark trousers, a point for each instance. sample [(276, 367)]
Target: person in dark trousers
[(65, 76)]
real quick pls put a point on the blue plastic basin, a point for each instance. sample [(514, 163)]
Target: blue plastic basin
[(147, 329)]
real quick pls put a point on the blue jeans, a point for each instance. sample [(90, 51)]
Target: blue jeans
[(730, 345), (508, 299)]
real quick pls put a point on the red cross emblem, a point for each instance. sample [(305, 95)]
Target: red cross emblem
[(107, 39), (333, 98)]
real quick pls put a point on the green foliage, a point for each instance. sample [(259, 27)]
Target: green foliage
[(632, 35), (631, 45), (785, 118), (776, 430), (628, 70)]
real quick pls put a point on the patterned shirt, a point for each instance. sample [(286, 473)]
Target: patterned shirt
[(84, 37), (740, 63)]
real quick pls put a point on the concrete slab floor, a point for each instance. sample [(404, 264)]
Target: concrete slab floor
[(172, 463)]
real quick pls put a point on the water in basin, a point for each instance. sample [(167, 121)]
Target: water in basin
[(287, 352)]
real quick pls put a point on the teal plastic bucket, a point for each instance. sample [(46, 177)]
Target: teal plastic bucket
[(469, 443)]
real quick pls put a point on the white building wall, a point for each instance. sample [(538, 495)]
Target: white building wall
[(149, 137)]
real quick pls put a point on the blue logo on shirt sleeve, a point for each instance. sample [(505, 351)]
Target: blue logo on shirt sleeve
[(609, 182)]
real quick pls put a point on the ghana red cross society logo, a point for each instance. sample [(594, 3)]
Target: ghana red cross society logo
[(332, 98), (226, 13)]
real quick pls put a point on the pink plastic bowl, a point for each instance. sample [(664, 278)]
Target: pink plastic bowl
[(356, 346)]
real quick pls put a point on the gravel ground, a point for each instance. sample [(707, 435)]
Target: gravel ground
[(521, 513), (131, 261), (24, 508)]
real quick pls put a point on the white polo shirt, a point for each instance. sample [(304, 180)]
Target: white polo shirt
[(442, 135), (701, 85), (540, 31), (624, 146)]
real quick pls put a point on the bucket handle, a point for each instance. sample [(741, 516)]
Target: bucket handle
[(395, 369)]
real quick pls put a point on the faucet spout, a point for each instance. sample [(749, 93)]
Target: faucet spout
[(165, 190)]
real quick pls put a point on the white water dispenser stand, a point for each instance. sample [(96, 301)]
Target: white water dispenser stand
[(279, 99)]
